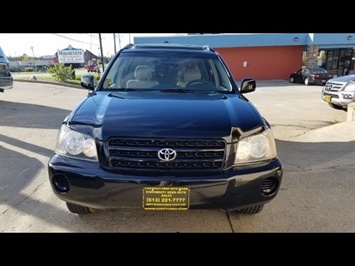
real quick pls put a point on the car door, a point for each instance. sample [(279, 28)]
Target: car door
[(305, 74), (299, 76)]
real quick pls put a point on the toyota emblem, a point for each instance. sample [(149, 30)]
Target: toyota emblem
[(167, 154)]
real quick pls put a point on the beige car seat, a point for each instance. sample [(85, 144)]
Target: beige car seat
[(189, 75), (143, 78)]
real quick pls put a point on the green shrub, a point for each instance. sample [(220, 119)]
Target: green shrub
[(61, 73)]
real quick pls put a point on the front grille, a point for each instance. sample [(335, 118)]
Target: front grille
[(333, 86), (129, 153), (334, 96)]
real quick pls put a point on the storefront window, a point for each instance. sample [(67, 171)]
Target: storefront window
[(330, 59), (335, 59)]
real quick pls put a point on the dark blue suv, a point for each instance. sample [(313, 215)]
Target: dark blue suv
[(166, 128)]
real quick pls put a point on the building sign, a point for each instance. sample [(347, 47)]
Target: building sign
[(71, 55)]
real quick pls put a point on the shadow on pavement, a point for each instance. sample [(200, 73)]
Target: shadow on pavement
[(15, 114)]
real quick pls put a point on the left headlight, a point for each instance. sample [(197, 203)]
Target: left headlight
[(256, 148), (350, 87), (74, 144)]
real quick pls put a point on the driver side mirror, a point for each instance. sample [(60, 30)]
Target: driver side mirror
[(248, 85), (88, 81)]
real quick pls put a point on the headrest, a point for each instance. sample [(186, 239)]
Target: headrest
[(192, 74), (143, 73)]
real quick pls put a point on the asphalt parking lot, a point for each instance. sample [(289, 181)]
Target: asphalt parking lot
[(314, 141)]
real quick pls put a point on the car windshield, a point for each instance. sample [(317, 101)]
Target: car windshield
[(167, 71), (318, 70)]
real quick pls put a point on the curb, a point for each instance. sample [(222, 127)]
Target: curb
[(70, 85)]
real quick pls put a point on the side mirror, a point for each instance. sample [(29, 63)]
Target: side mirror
[(247, 85), (88, 81)]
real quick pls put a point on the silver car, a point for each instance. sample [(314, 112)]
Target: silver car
[(6, 79), (339, 92)]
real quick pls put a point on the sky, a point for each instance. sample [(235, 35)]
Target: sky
[(41, 44)]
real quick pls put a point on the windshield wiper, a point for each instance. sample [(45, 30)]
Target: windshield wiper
[(193, 91), (119, 89), (176, 90)]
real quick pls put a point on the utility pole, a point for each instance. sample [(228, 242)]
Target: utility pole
[(114, 42), (102, 54), (33, 54)]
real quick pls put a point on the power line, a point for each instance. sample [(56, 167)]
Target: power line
[(92, 35), (68, 38)]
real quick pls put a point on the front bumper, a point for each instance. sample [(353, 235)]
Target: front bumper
[(88, 184), (338, 99), (6, 83)]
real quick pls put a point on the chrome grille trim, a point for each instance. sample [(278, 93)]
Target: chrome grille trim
[(130, 153)]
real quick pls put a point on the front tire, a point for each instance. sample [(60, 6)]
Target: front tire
[(78, 209), (292, 80), (306, 81), (252, 210)]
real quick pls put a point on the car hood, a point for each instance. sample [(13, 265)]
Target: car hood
[(346, 78), (154, 114)]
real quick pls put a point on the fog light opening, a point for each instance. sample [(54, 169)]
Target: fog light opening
[(269, 186), (61, 183)]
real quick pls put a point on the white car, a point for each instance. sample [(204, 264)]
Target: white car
[(339, 92)]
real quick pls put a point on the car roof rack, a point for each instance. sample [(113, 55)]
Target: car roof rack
[(170, 45)]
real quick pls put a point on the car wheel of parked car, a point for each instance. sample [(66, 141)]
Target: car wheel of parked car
[(292, 80), (252, 210), (306, 81), (74, 208)]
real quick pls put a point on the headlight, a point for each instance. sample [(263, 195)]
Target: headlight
[(350, 87), (256, 148), (74, 144)]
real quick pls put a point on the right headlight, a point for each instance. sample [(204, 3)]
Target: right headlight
[(74, 144), (256, 148)]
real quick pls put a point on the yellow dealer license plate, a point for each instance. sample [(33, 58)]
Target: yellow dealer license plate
[(328, 98), (166, 198)]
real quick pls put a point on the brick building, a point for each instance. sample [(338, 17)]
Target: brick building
[(274, 55)]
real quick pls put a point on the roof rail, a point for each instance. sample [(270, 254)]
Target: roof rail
[(173, 45), (130, 45)]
